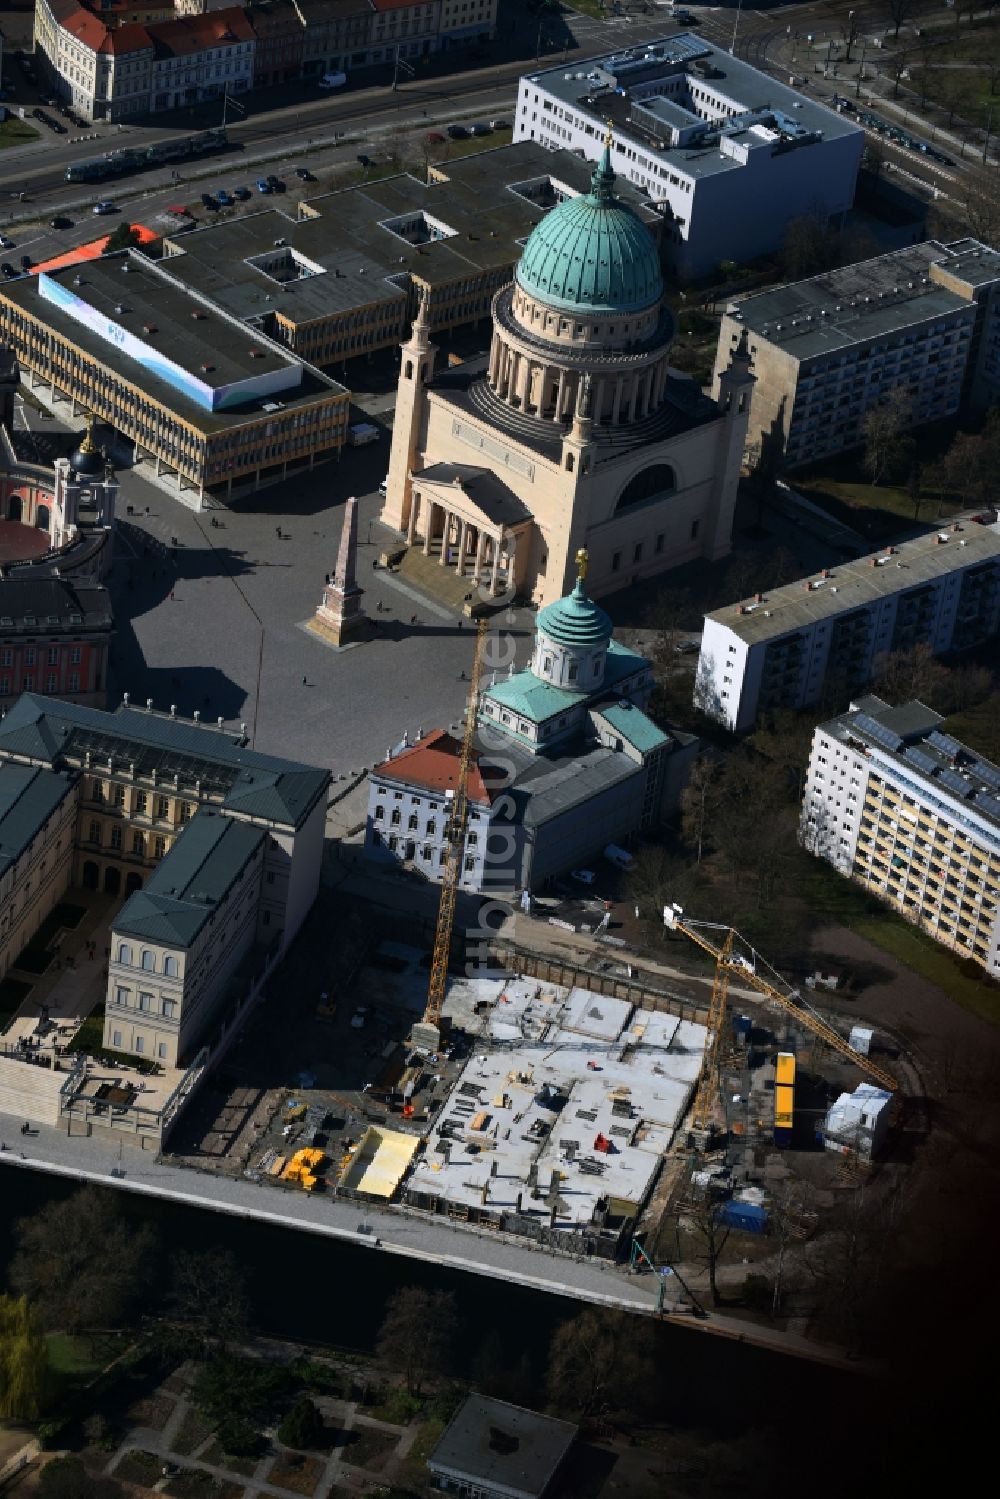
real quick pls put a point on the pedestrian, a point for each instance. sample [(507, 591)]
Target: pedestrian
[(171, 595), (460, 623), (413, 619), (147, 509), (304, 683), (461, 676)]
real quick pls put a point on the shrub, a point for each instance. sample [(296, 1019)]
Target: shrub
[(238, 1438), (758, 1293), (303, 1426)]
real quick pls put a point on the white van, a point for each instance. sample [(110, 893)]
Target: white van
[(619, 857), (333, 80), (361, 434)]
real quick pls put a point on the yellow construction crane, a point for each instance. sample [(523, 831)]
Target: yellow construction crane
[(428, 1033), (729, 960)]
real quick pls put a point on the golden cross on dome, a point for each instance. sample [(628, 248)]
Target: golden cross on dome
[(582, 559)]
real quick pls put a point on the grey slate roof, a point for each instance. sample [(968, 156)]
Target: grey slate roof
[(185, 890), (504, 1447), (48, 605), (494, 498), (257, 785), (28, 798)]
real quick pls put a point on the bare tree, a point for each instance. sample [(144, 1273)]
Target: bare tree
[(598, 1360), (416, 1336), (899, 12), (709, 1236), (885, 427)]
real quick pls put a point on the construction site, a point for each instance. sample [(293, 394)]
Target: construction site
[(589, 1111)]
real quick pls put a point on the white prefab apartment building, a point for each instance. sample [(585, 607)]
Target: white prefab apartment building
[(727, 154), (924, 320), (785, 649), (914, 816)]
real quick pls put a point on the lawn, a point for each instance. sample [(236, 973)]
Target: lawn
[(194, 1430), (90, 1036), (142, 1468), (295, 1471), (959, 75), (15, 132), (367, 1447), (73, 1361)]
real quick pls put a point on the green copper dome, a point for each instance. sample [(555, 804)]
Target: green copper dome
[(592, 253), (574, 620)]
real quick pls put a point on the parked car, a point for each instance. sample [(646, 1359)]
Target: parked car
[(583, 876), (6, 243), (60, 222), (435, 138), (26, 262), (57, 126), (275, 183), (686, 647), (333, 80), (208, 201), (458, 132), (481, 128), (263, 186), (243, 193), (304, 174), (8, 269), (499, 124), (225, 199), (365, 161), (105, 206)]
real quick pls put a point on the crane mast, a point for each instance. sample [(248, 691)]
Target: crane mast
[(728, 962), (427, 1033)]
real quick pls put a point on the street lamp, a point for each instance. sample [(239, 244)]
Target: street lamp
[(861, 72), (736, 27), (850, 35)]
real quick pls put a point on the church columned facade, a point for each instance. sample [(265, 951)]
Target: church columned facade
[(575, 431)]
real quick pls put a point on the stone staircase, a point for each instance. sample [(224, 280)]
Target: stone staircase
[(441, 583)]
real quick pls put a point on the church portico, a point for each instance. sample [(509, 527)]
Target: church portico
[(472, 523)]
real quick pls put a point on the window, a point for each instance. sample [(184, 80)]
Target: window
[(161, 1049), (163, 806), (659, 542), (140, 1045), (121, 995), (53, 656), (186, 810), (145, 1003), (138, 843), (616, 561), (171, 967), (140, 804), (119, 796), (125, 954), (116, 835), (97, 792), (379, 816), (116, 1038), (169, 1009), (637, 553), (148, 960), (695, 528), (95, 832), (159, 847)]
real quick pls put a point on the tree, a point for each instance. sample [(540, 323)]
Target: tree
[(700, 800), (23, 1359), (82, 1261), (417, 1333), (899, 11), (303, 1427), (901, 676), (67, 1478), (709, 1235), (600, 1360), (124, 236), (885, 427), (209, 1296), (806, 248)]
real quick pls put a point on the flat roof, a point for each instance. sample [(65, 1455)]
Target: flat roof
[(28, 798), (505, 1447), (185, 889), (360, 261), (602, 90), (568, 1099), (870, 300), (188, 341), (856, 584), (380, 1162), (247, 781), (910, 739)]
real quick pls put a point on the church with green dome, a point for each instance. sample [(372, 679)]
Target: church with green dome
[(574, 430)]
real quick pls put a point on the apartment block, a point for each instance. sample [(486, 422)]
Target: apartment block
[(924, 320), (913, 816), (787, 648), (726, 154), (215, 847)]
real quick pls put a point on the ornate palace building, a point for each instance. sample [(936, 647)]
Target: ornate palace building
[(575, 431)]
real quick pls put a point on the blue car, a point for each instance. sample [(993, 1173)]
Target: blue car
[(263, 186), (225, 201)]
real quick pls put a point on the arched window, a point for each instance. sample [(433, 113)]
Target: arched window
[(124, 953), (570, 462), (170, 968), (409, 369), (148, 960), (658, 479)]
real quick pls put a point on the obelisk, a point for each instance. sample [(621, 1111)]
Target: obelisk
[(340, 617)]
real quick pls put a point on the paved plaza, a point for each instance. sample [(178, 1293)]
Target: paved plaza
[(188, 631)]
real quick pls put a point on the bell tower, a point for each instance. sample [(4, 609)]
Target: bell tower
[(416, 370)]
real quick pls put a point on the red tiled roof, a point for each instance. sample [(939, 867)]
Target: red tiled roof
[(433, 763), (197, 33), (83, 26), (128, 38)]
